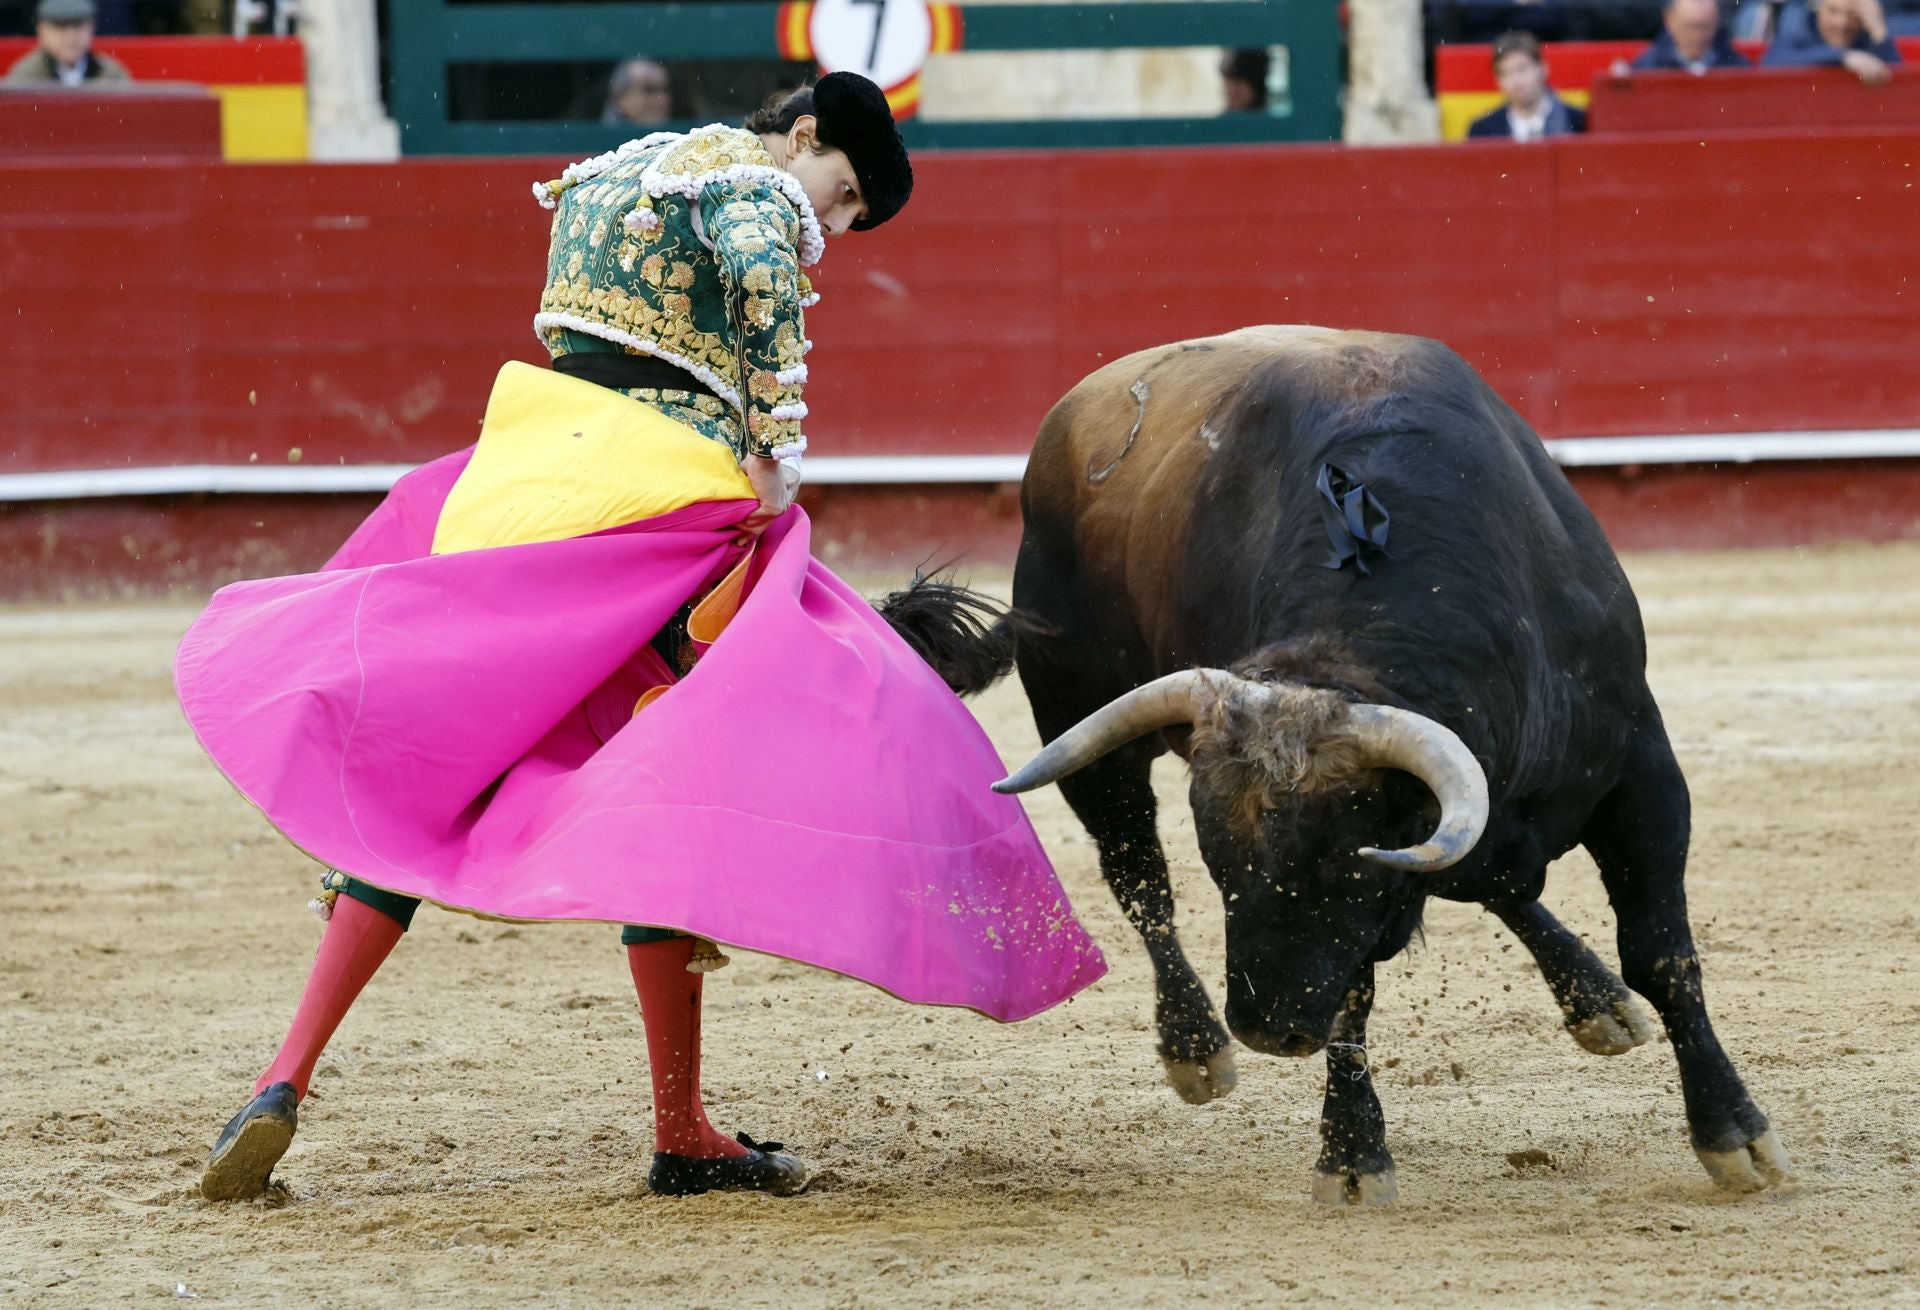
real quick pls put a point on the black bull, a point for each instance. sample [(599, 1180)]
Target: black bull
[(1180, 515)]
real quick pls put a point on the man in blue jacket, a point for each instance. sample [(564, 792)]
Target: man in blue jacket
[(1692, 39), (1532, 110), (1850, 34)]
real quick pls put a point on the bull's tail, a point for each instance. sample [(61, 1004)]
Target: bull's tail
[(967, 637)]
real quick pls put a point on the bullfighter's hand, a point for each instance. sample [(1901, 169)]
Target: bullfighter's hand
[(775, 482)]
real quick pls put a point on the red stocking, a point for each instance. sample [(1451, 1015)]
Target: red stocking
[(670, 1009), (357, 939)]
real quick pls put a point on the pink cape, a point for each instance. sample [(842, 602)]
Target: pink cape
[(432, 725)]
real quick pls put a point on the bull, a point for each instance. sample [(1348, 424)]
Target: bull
[(1342, 579)]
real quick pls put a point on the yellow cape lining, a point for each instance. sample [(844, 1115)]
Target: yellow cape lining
[(560, 457)]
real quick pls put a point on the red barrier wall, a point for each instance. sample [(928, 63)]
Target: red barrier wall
[(211, 60), (1712, 284), (1808, 101), (149, 124), (225, 313)]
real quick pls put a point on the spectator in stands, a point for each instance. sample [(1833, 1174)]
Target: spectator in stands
[(1243, 76), (1692, 39), (1850, 34), (65, 55), (1531, 110), (638, 93)]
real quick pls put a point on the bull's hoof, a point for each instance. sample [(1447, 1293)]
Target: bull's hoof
[(1760, 1164), (1614, 1031), (1348, 1189), (1197, 1082)]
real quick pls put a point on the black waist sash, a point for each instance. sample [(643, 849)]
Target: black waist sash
[(623, 371)]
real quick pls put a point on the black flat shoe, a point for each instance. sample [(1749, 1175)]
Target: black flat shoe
[(251, 1145), (762, 1169)]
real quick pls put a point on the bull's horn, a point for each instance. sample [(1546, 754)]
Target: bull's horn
[(1415, 744), (1159, 704)]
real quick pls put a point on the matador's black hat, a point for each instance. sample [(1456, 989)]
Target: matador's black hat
[(855, 117)]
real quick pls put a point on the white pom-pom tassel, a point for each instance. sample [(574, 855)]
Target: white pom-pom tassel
[(706, 957), (322, 908), (640, 220)]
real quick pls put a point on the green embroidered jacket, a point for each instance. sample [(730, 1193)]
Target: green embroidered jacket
[(690, 248)]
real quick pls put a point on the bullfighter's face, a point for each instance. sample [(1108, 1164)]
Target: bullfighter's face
[(824, 173), (1304, 913)]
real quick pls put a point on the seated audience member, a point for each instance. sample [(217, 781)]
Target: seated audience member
[(1692, 39), (638, 93), (65, 55), (1532, 109), (1243, 77), (1850, 34)]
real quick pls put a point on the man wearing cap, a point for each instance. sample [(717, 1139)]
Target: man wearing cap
[(65, 55)]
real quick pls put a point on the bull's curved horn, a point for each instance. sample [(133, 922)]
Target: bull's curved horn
[(1159, 704), (1401, 739)]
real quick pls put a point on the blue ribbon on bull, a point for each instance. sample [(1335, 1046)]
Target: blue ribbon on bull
[(1355, 520)]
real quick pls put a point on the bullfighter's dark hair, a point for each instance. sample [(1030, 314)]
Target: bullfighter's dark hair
[(782, 110)]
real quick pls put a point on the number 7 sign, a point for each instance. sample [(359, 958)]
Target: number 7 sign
[(885, 40)]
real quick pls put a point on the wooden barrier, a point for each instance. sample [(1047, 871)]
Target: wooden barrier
[(261, 83), (356, 313), (1463, 81), (302, 315), (1808, 101), (179, 122)]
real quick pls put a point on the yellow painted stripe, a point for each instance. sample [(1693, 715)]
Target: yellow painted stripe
[(263, 121), (946, 30), (795, 40), (904, 100)]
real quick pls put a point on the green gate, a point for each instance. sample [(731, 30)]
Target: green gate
[(426, 36)]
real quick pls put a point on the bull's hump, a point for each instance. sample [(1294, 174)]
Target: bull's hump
[(1239, 349), (1205, 365), (1138, 410)]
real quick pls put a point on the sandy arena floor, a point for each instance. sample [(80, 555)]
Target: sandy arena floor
[(479, 1131)]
